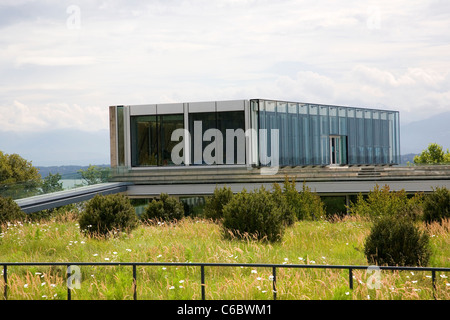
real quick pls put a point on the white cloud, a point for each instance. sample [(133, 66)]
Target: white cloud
[(19, 117)]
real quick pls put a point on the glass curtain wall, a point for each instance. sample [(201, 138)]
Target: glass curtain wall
[(151, 143), (234, 121), (322, 135)]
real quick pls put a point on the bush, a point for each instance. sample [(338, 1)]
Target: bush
[(281, 199), (167, 208), (306, 204), (104, 214), (397, 241), (214, 204), (253, 214), (384, 202), (436, 205), (10, 211)]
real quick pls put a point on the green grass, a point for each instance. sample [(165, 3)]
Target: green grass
[(197, 240)]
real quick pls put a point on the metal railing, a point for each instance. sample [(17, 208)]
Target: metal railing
[(202, 266)]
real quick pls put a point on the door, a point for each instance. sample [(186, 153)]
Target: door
[(338, 150)]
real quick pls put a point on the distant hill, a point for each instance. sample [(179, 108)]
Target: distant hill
[(66, 172), (415, 136)]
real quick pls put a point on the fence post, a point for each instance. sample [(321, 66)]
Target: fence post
[(5, 279), (433, 281), (134, 283), (69, 273), (274, 287), (202, 276), (350, 278)]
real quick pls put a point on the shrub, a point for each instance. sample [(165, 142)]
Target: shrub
[(253, 214), (397, 241), (104, 214), (10, 211), (306, 204), (384, 202), (280, 198), (436, 206), (214, 204), (166, 208)]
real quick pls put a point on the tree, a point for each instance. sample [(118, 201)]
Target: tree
[(434, 154), (94, 174), (51, 183), (18, 177)]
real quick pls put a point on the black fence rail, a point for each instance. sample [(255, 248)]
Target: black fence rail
[(202, 266)]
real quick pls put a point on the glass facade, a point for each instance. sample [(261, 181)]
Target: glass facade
[(313, 134), (230, 127), (151, 142), (308, 134)]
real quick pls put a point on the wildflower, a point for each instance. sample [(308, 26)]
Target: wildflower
[(164, 268), (254, 271), (95, 254), (55, 294), (271, 278), (443, 276), (286, 259), (25, 285), (181, 281), (259, 278), (44, 296), (129, 250), (181, 287), (323, 258), (52, 285), (159, 256), (264, 291), (114, 252), (171, 287), (347, 293), (106, 258), (312, 261), (82, 242), (300, 258), (43, 283)]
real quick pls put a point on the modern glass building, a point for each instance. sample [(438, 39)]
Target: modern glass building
[(252, 133)]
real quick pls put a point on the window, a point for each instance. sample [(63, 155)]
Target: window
[(151, 142)]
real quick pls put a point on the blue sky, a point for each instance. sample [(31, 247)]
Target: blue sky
[(64, 62)]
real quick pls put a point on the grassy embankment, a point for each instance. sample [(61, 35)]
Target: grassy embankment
[(196, 240)]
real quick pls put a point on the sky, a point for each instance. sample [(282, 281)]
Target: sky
[(62, 63)]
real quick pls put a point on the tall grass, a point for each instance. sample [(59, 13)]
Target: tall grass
[(338, 242)]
